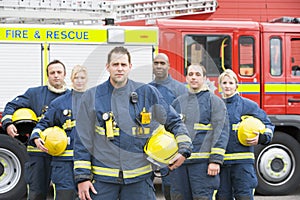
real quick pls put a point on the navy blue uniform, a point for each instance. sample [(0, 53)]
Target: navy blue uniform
[(170, 89), (62, 113), (37, 169), (118, 165), (206, 118), (238, 177)]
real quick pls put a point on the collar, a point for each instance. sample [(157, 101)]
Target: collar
[(231, 98), (56, 90), (165, 81), (203, 88)]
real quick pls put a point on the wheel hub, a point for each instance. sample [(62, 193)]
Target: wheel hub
[(10, 170), (275, 165)]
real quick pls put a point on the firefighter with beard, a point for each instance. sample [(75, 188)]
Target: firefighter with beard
[(116, 119), (37, 168), (62, 113)]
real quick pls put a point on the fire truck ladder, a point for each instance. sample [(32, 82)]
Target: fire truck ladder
[(95, 11)]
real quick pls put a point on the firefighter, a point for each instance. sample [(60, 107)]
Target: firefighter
[(116, 119), (62, 112), (205, 116), (170, 90), (37, 168), (238, 177)]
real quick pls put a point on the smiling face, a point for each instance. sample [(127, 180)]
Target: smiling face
[(228, 86), (228, 82), (118, 68)]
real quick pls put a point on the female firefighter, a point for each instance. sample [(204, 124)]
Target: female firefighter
[(62, 113), (205, 116), (238, 178)]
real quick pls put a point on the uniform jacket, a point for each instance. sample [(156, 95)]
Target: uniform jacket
[(61, 113), (206, 118), (121, 159), (238, 106), (170, 88), (37, 99)]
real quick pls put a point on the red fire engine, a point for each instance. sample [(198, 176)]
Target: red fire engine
[(266, 57)]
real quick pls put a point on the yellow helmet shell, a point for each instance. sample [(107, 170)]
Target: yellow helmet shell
[(24, 114), (55, 139), (25, 120), (247, 127), (161, 146)]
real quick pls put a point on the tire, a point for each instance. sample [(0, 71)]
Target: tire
[(278, 165), (13, 156)]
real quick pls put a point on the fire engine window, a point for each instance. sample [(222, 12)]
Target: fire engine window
[(275, 57), (211, 51), (246, 56), (295, 53)]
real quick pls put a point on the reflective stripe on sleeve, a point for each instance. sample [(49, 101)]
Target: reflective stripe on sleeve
[(219, 151), (183, 138), (82, 164), (239, 156), (206, 127)]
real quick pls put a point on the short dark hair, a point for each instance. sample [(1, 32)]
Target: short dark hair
[(55, 62), (121, 50)]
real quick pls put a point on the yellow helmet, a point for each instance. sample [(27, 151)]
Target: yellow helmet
[(161, 147), (246, 128), (25, 120), (55, 139)]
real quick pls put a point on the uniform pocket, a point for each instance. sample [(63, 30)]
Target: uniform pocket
[(28, 171), (57, 174)]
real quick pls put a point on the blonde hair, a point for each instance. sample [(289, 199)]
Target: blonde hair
[(76, 69), (229, 73)]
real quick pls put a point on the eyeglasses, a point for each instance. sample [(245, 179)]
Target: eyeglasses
[(159, 62)]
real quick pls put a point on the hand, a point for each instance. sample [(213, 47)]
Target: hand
[(253, 141), (84, 190), (213, 169), (40, 144), (176, 161), (12, 130)]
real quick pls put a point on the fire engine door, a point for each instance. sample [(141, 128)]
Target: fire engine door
[(293, 73)]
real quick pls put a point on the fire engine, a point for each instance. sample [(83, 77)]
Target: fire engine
[(264, 53), (266, 58)]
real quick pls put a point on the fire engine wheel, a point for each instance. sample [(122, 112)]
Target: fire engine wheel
[(13, 155), (278, 165)]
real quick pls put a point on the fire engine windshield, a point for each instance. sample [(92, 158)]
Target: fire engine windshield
[(211, 51)]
